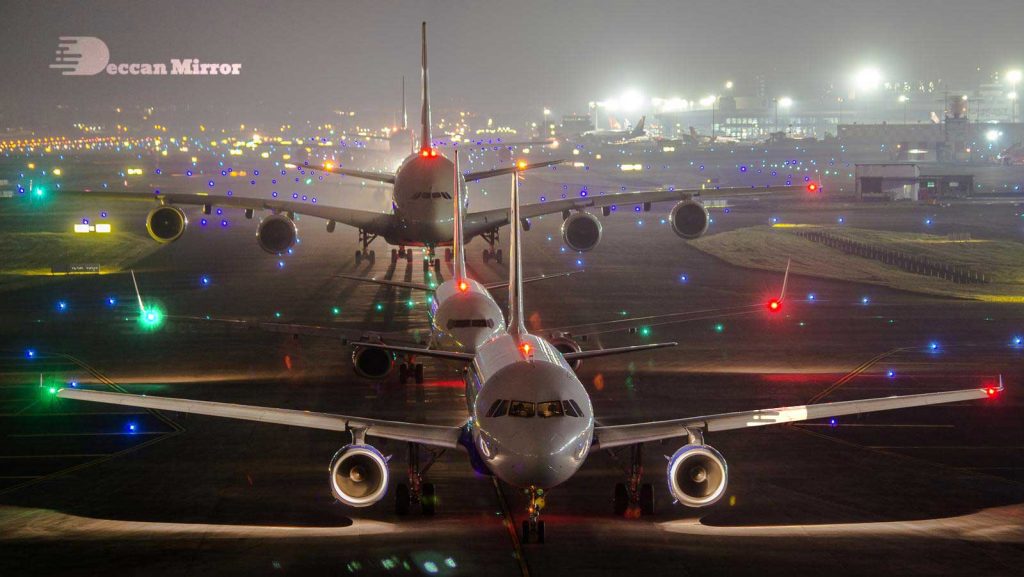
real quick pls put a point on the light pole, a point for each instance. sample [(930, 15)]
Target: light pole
[(904, 99), (784, 102), (1013, 77), (840, 121)]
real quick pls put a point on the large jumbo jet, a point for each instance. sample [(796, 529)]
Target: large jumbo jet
[(420, 214), (609, 136), (530, 423)]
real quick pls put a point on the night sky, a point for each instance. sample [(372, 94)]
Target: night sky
[(309, 58)]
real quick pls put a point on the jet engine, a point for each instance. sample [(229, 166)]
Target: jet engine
[(564, 344), (689, 219), (697, 475), (359, 475), (166, 224), (277, 233), (581, 231), (372, 363)]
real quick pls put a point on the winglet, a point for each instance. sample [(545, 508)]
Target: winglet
[(1000, 382), (138, 295), (516, 323), (785, 280), (425, 111), (458, 234)]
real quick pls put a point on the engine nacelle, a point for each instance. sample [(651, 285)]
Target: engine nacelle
[(581, 231), (359, 475), (689, 219), (277, 233), (564, 344), (166, 224), (697, 475), (372, 363)]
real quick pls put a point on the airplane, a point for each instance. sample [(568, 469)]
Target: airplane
[(530, 423), (609, 136), (462, 313), (695, 138), (1013, 156), (420, 214)]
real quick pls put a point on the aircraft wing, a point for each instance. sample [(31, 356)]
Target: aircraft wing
[(480, 175), (345, 335), (614, 351), (434, 435), (426, 287), (371, 222), (364, 174), (608, 437), (477, 222)]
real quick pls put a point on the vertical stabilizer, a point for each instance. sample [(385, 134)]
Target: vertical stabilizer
[(425, 111), (458, 234), (516, 324)]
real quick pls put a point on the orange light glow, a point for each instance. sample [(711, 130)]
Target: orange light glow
[(433, 152), (425, 152), (463, 286), (521, 165), (526, 348), (812, 187)]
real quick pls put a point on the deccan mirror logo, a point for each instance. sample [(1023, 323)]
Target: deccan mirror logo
[(88, 56)]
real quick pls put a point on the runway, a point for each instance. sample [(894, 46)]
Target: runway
[(923, 492)]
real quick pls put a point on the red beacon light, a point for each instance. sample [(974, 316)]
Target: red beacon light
[(774, 305), (463, 286), (526, 348), (428, 152), (991, 391), (812, 187)]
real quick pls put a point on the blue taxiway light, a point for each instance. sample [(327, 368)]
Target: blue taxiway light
[(890, 373)]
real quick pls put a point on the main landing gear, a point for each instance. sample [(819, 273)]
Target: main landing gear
[(533, 526), (365, 238), (417, 492), (633, 498), (410, 369), (402, 252), (492, 239)]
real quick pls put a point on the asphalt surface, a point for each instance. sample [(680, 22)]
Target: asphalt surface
[(88, 488)]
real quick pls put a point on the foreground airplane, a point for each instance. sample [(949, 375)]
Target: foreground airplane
[(531, 424), (420, 214)]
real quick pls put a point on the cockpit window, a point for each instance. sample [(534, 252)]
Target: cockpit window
[(466, 323), (549, 409), (498, 409), (569, 409), (579, 411), (521, 409)]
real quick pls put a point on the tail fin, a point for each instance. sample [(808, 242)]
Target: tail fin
[(425, 111), (638, 130), (516, 323), (458, 235)]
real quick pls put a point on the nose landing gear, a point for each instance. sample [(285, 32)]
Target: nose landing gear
[(492, 252), (533, 525), (365, 239)]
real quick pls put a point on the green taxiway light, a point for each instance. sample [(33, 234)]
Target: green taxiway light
[(151, 318), (379, 307), (410, 303), (335, 311), (277, 314), (719, 327), (645, 331)]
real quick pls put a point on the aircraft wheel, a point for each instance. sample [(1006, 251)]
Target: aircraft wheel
[(373, 257), (498, 256), (487, 255), (448, 255), (359, 257), (526, 531), (402, 499), (428, 501), (408, 254), (621, 499), (646, 499), (403, 373), (394, 256), (419, 373), (540, 531), (437, 266)]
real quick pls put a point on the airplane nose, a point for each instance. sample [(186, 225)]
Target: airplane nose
[(543, 457)]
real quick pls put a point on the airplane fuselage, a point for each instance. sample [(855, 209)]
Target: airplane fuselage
[(462, 319), (422, 201), (532, 419)]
